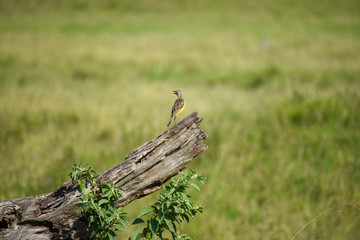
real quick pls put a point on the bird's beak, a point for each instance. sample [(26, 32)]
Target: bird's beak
[(174, 92)]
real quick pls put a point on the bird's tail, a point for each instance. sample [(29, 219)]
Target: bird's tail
[(169, 122)]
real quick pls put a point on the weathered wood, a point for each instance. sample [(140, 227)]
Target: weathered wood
[(144, 171)]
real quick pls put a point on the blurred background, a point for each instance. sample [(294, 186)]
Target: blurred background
[(277, 83)]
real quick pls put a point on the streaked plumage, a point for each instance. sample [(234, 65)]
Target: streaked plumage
[(178, 106)]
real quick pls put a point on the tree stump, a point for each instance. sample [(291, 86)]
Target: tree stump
[(144, 171)]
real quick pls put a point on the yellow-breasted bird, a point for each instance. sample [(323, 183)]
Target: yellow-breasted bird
[(178, 107)]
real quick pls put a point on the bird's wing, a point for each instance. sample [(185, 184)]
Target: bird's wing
[(178, 104)]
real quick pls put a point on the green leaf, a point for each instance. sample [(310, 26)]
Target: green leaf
[(86, 191), (195, 186), (145, 211), (102, 212), (103, 201), (118, 227), (123, 221), (80, 209), (148, 235), (92, 234), (168, 223), (135, 236), (112, 234), (179, 222), (173, 235), (176, 209), (161, 215), (94, 205), (107, 194), (172, 190), (164, 207), (137, 221), (91, 219), (110, 237), (82, 183), (184, 216), (154, 225)]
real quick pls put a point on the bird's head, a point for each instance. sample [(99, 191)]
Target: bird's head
[(177, 92)]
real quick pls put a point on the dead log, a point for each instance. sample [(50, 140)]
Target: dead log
[(144, 171)]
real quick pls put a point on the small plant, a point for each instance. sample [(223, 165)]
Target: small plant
[(172, 208), (98, 203)]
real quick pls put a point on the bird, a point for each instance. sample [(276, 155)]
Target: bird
[(178, 107)]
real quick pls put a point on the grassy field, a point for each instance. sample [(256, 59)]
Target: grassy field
[(277, 83)]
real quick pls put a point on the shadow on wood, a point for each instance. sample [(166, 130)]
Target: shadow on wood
[(144, 171)]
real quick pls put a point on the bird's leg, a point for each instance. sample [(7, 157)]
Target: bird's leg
[(180, 117)]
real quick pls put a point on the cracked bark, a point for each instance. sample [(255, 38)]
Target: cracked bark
[(144, 171)]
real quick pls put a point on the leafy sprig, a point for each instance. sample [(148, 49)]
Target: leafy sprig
[(171, 209), (98, 203)]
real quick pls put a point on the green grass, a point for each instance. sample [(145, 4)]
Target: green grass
[(276, 82)]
